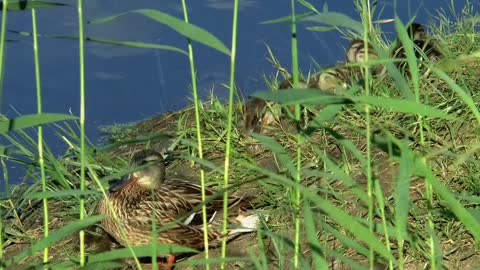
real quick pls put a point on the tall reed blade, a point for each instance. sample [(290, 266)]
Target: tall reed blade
[(367, 22), (2, 48), (2, 62), (297, 195), (41, 161), (81, 40), (199, 138), (229, 130)]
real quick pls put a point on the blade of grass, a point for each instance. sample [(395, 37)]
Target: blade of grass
[(26, 5), (198, 135), (140, 251), (348, 222), (318, 259), (287, 19), (313, 97), (233, 54), (335, 19), (280, 153), (2, 48), (41, 160), (462, 94), (81, 48), (132, 44), (402, 199), (58, 194), (299, 141), (53, 238), (4, 165), (32, 120), (190, 31), (365, 15)]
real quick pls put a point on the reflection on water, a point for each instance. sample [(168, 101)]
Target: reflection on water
[(228, 4), (107, 76), (128, 84)]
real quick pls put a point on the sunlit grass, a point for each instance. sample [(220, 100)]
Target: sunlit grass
[(384, 173)]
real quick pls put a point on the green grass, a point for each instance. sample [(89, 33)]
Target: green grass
[(384, 174)]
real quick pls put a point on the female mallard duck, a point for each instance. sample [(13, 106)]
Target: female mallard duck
[(175, 203), (425, 47)]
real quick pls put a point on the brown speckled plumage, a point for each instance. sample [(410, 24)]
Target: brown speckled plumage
[(171, 202)]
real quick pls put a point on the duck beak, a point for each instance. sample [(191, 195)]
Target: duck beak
[(122, 183)]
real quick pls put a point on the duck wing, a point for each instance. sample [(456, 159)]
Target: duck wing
[(191, 194)]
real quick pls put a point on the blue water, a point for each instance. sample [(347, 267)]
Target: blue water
[(129, 84)]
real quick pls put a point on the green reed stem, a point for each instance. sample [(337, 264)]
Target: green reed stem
[(365, 4), (297, 198), (81, 41), (199, 137), (233, 54), (2, 48), (5, 176), (41, 160), (431, 225), (373, 186)]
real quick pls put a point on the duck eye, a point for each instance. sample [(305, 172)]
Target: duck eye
[(143, 162)]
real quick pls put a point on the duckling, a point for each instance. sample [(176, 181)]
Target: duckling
[(356, 54), (330, 78), (425, 47), (356, 51), (343, 75), (256, 115), (258, 112), (174, 202)]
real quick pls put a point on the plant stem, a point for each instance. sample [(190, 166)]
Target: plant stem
[(5, 176), (365, 4), (199, 137), (81, 41), (41, 160), (297, 198), (2, 49), (229, 130)]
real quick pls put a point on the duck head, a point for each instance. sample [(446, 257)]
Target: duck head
[(328, 80), (257, 115), (356, 52), (150, 176), (416, 31)]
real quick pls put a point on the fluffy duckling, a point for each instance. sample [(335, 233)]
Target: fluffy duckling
[(356, 54), (258, 112), (330, 78), (343, 75), (175, 203), (425, 47)]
